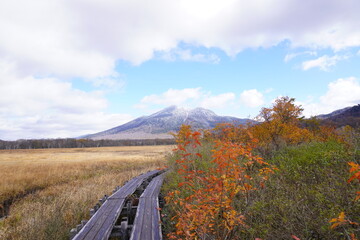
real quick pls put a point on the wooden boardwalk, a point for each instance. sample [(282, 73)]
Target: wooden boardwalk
[(147, 224), (100, 225)]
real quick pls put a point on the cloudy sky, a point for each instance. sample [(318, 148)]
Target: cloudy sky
[(71, 67)]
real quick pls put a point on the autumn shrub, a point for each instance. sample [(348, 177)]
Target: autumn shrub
[(202, 204), (280, 125)]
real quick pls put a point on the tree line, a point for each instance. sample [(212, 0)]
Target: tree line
[(79, 143)]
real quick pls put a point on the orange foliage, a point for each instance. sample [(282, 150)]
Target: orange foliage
[(355, 169), (233, 133), (341, 220), (280, 125), (182, 135), (207, 207)]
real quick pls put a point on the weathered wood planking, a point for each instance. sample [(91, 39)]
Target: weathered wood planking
[(147, 224), (100, 225), (130, 187)]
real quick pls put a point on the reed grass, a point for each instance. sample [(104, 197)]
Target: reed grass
[(53, 189)]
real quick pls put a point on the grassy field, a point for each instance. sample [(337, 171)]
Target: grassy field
[(52, 190)]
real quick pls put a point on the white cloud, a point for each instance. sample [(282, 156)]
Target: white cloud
[(269, 90), (291, 56), (47, 107), (187, 97), (58, 125), (172, 97), (187, 55), (341, 93), (111, 82), (252, 98), (217, 101), (324, 62), (85, 38), (231, 25), (42, 38)]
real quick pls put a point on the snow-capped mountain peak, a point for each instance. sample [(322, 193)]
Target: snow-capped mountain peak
[(159, 124)]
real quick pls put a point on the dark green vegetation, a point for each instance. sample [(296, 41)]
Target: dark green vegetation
[(79, 143)]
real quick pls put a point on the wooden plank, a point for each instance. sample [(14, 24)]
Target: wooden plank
[(154, 187), (109, 210), (147, 220), (100, 225), (105, 231), (130, 187)]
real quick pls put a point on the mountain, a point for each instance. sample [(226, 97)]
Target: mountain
[(332, 114), (346, 116), (159, 124)]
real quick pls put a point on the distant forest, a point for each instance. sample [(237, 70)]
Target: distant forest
[(79, 143)]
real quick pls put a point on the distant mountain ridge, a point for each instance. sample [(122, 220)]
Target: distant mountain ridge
[(159, 124), (333, 114), (342, 117)]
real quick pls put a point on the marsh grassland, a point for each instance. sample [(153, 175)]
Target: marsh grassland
[(45, 192)]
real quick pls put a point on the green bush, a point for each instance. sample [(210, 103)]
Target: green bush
[(309, 189)]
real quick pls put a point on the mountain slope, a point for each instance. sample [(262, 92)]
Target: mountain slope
[(346, 116), (159, 124), (333, 114)]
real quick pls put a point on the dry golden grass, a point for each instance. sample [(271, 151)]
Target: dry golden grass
[(65, 183)]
